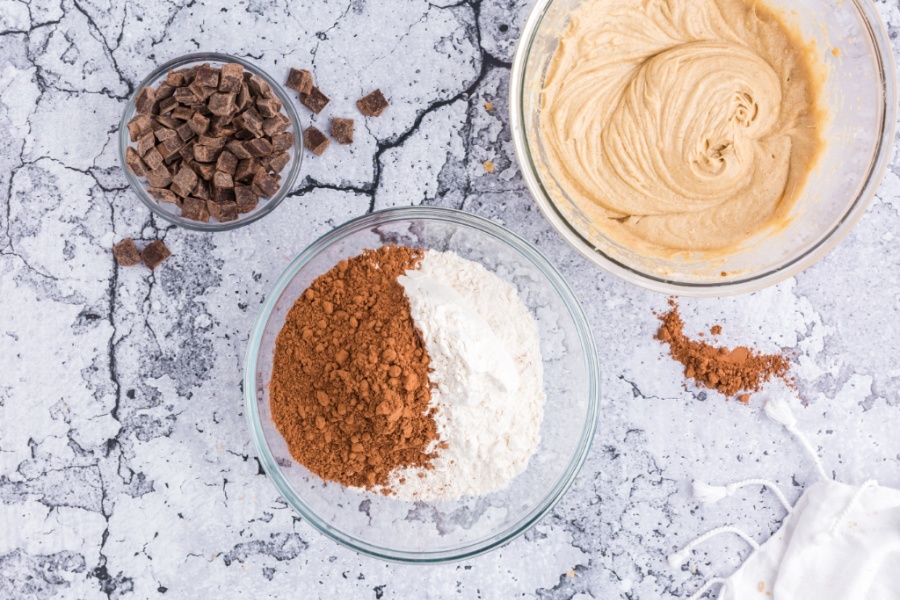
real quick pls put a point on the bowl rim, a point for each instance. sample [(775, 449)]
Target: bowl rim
[(585, 336), (887, 109), (287, 183)]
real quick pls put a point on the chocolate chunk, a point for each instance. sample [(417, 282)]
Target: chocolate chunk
[(222, 195), (227, 162), (236, 147), (167, 122), (153, 158), (159, 177), (221, 104), (268, 107), (185, 95), (222, 180), (246, 198), (207, 76), (281, 142), (342, 130), (182, 113), (145, 142), (258, 147), (175, 78), (300, 80), (162, 195), (126, 253), (167, 105), (373, 104), (213, 142), (205, 154), (205, 170), (189, 74), (187, 153), (246, 169), (231, 78), (185, 132), (134, 163), (277, 124), (277, 162), (139, 126), (184, 181), (244, 98), (222, 126), (201, 190), (259, 86), (242, 134), (264, 184), (145, 100), (252, 121), (199, 124), (201, 92), (169, 147), (315, 140), (164, 133), (223, 211), (154, 253), (195, 209), (164, 91), (315, 100)]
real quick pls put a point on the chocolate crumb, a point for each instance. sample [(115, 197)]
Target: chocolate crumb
[(300, 80), (315, 100)]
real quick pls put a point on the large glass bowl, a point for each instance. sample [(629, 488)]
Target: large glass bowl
[(861, 98), (429, 532), (170, 212)]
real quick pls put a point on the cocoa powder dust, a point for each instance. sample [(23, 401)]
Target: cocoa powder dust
[(730, 371), (350, 390)]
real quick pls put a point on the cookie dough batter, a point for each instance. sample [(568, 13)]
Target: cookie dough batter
[(680, 125)]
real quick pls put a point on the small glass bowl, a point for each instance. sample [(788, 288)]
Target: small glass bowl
[(859, 94), (170, 212), (434, 532)]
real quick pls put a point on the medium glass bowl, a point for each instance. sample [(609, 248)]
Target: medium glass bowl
[(860, 96), (169, 211), (431, 532)]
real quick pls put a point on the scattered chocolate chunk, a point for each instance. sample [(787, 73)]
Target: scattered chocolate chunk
[(126, 253), (162, 195), (231, 78), (145, 101), (207, 76), (223, 211), (373, 104), (315, 140), (315, 100), (221, 104), (300, 80), (134, 163), (280, 142), (195, 209), (154, 253), (258, 147), (342, 130), (227, 162)]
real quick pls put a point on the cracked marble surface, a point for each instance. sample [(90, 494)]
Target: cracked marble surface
[(126, 470)]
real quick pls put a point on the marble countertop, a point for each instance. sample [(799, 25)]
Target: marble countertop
[(126, 470)]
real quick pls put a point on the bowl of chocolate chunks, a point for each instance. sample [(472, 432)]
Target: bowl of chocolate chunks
[(210, 142)]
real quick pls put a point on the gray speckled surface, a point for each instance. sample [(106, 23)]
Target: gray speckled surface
[(125, 465)]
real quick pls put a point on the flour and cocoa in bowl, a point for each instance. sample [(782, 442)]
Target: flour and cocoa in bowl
[(412, 373)]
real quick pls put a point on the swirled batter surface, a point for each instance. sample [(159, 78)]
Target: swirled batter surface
[(680, 125)]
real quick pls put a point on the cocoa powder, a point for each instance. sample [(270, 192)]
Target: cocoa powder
[(727, 370), (350, 390)]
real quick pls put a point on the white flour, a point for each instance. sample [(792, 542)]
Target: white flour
[(487, 377)]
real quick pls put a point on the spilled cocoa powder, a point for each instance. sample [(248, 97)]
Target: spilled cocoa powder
[(729, 371), (350, 389)]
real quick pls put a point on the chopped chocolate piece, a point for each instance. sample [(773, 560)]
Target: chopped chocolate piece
[(244, 97), (145, 142), (245, 197), (277, 124), (200, 91), (222, 127), (281, 142), (315, 140), (221, 104), (199, 123), (315, 100), (162, 195), (195, 209), (167, 122), (212, 142), (252, 121), (205, 170), (175, 78), (164, 134), (187, 153), (227, 162), (236, 147), (268, 107), (169, 147), (373, 104), (126, 253), (222, 181), (205, 154), (246, 169), (231, 78), (223, 211), (182, 113), (277, 162), (242, 134), (259, 86), (265, 184), (258, 147), (300, 80), (185, 132), (201, 190), (189, 74), (153, 158), (154, 253), (145, 100), (184, 181), (222, 195), (168, 105), (342, 130), (186, 96), (134, 163), (171, 160), (139, 126), (164, 91), (159, 177), (207, 76)]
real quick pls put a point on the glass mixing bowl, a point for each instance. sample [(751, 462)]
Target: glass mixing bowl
[(429, 532), (860, 96), (170, 212)]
